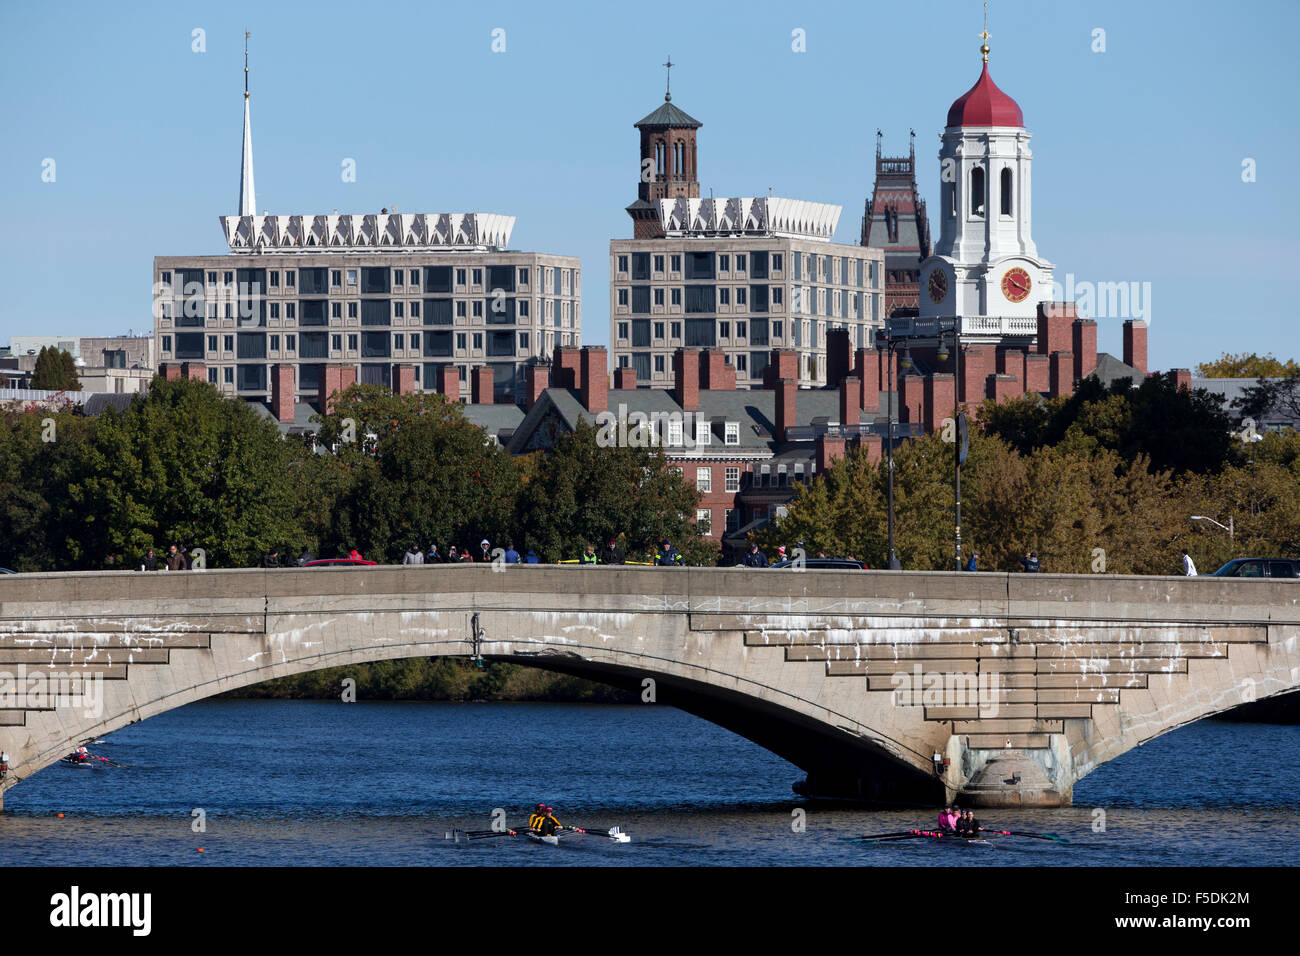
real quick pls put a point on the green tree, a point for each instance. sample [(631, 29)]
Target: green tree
[(583, 491), (1247, 365), (184, 465), (55, 371)]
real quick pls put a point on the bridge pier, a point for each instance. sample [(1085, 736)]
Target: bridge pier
[(1013, 779)]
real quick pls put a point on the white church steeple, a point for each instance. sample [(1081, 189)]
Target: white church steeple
[(247, 194)]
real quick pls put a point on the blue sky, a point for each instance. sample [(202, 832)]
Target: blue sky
[(1138, 149)]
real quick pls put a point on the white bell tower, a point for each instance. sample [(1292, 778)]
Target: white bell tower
[(985, 258)]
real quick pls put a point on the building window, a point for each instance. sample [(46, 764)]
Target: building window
[(741, 330), (274, 277), (523, 308), (676, 263), (336, 343), (212, 376), (622, 330), (336, 277), (777, 328), (676, 330), (415, 341), (460, 277), (415, 280), (523, 277), (478, 277), (399, 275), (167, 343), (622, 263), (724, 296), (212, 343), (1006, 192), (659, 296), (275, 343), (741, 362), (336, 310), (291, 343), (704, 519), (228, 343), (212, 278), (733, 472), (353, 275), (659, 263), (399, 341), (704, 479), (977, 191), (478, 340), (415, 310), (778, 262), (674, 430), (659, 368), (290, 311), (740, 296), (397, 310), (478, 308), (460, 310), (228, 375), (659, 330), (778, 295), (352, 342), (460, 341), (724, 330), (523, 341), (703, 432), (740, 262), (724, 262), (275, 310)]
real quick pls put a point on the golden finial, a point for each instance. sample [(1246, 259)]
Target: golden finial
[(984, 47)]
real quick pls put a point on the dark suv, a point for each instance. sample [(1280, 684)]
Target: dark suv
[(1260, 568)]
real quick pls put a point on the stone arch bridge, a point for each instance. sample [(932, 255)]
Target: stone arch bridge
[(995, 689)]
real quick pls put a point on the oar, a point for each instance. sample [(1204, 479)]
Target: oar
[(1038, 836), (878, 836), (613, 833)]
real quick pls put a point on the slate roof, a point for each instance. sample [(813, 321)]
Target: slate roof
[(1110, 370), (669, 115)]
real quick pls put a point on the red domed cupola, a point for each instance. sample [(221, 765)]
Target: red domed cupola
[(985, 105)]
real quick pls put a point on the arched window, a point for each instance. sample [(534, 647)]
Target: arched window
[(977, 191), (679, 160), (659, 161), (1006, 192)]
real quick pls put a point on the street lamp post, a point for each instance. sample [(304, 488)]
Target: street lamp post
[(959, 437), (891, 346)]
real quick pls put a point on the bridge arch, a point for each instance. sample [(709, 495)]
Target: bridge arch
[(804, 664)]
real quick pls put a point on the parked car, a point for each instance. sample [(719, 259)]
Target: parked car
[(823, 564), (1260, 568), (340, 563)]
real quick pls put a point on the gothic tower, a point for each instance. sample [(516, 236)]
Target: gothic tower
[(895, 221), (668, 164)]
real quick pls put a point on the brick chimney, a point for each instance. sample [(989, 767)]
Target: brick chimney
[(839, 353), (715, 373), (347, 376), (1084, 340), (784, 364), (170, 371), (565, 369), (830, 448), (1054, 320), (403, 379), (1061, 377), (911, 398), (195, 371), (787, 391), (686, 379), (482, 385), (593, 389), (625, 378), (1135, 345), (850, 400), (1182, 378), (537, 379), (1038, 375), (874, 446), (866, 366), (282, 393), (940, 400), (331, 381), (449, 382), (1001, 387), (978, 363)]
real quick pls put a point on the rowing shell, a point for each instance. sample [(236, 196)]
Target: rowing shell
[(552, 840)]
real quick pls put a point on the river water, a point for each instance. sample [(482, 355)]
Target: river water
[(334, 784)]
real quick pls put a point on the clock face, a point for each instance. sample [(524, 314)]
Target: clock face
[(938, 286), (1016, 284)]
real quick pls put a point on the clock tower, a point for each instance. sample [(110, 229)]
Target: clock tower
[(985, 263)]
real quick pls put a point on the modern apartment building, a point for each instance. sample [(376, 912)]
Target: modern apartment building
[(360, 301), (746, 276)]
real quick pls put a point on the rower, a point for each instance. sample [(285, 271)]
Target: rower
[(549, 825), (948, 819), (535, 819), (972, 825)]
